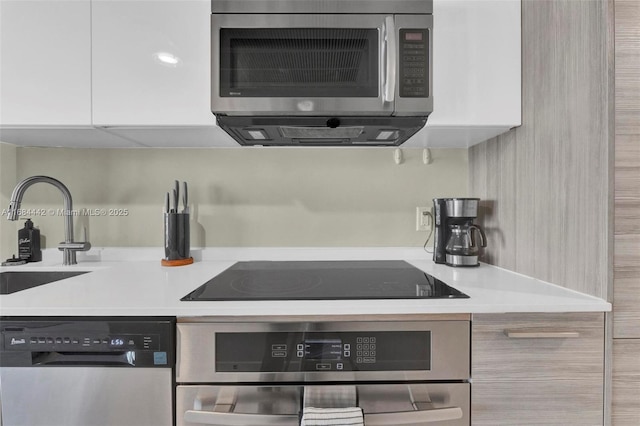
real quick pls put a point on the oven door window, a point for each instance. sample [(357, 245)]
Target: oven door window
[(299, 62)]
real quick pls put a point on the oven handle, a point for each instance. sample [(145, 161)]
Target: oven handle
[(238, 419), (377, 419), (390, 55), (413, 417)]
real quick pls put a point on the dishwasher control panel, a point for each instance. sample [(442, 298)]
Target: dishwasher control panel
[(137, 342), (86, 342)]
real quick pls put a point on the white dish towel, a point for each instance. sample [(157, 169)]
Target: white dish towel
[(349, 416)]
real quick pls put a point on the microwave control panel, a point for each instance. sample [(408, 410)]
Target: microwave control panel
[(323, 351), (414, 63)]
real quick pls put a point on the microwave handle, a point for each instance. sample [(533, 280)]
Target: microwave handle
[(378, 419), (389, 52)]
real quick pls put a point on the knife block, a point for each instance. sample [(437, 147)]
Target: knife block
[(176, 240)]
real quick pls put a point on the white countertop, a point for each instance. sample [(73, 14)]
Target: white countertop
[(131, 282)]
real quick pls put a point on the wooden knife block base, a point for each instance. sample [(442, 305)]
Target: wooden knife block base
[(177, 262)]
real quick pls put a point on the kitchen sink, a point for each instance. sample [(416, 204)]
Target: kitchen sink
[(14, 281)]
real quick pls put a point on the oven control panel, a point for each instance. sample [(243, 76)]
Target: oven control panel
[(323, 351)]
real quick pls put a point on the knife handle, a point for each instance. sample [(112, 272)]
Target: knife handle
[(185, 198), (177, 194)]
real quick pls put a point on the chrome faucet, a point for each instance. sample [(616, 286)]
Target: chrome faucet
[(68, 247)]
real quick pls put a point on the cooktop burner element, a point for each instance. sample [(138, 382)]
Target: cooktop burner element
[(323, 280)]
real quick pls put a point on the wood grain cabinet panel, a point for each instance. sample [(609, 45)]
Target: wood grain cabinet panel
[(625, 406), (549, 372), (522, 176), (626, 294), (548, 403), (627, 74), (626, 382), (626, 287)]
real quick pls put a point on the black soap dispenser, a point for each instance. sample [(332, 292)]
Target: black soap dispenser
[(29, 243)]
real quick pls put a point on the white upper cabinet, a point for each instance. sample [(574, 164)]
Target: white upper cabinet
[(45, 63), (476, 72), (45, 75), (151, 63)]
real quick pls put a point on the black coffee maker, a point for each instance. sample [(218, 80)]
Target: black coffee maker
[(454, 242)]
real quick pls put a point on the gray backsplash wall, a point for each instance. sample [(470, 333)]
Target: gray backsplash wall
[(239, 196)]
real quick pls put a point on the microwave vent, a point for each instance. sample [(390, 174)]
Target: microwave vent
[(321, 130)]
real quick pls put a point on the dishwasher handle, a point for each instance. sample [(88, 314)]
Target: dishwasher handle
[(124, 359), (376, 419)]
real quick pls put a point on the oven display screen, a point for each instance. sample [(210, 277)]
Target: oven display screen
[(323, 349)]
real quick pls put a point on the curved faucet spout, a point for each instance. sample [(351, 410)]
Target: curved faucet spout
[(16, 201)]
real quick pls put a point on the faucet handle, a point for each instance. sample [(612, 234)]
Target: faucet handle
[(75, 246)]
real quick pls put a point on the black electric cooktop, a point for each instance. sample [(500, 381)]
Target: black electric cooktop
[(322, 280)]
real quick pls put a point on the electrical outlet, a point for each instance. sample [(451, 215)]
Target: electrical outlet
[(423, 218)]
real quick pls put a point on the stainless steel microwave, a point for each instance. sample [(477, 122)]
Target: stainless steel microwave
[(334, 60)]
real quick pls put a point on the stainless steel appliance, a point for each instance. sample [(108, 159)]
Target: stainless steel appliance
[(265, 373), (454, 242), (87, 372), (321, 72)]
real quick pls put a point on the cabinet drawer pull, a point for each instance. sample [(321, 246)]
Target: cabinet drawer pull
[(541, 334)]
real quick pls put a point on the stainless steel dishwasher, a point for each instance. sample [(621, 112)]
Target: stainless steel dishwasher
[(60, 371)]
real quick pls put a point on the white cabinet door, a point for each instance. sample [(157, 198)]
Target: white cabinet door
[(151, 63), (476, 72), (45, 63)]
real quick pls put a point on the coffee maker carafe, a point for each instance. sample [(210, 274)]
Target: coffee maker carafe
[(454, 242)]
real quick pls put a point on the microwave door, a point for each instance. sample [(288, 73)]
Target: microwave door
[(290, 64)]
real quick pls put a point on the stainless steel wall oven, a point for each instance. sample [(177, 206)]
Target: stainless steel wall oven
[(266, 373)]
